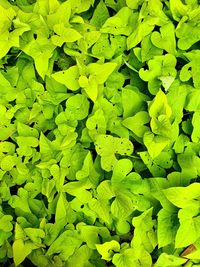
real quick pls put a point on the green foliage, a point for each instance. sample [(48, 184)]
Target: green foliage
[(99, 133)]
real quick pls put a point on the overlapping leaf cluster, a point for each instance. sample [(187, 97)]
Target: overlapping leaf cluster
[(99, 133)]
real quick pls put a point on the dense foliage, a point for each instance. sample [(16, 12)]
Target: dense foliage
[(99, 133)]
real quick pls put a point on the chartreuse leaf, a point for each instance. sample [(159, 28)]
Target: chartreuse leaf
[(196, 130), (61, 14), (65, 244), (181, 143), (77, 106), (132, 257), (155, 144), (5, 222), (61, 209), (107, 146), (167, 227), (64, 35), (122, 206), (104, 190), (96, 124), (189, 163), (183, 197), (161, 71), (107, 249), (187, 34), (166, 260), (144, 234), (102, 47), (79, 189), (79, 6), (153, 167), (83, 83), (141, 30), (101, 72), (147, 50), (41, 50), (178, 9), (81, 257), (188, 231), (47, 149), (118, 24), (133, 4), (160, 106), (98, 74), (100, 15), (137, 123), (165, 39), (21, 248), (191, 69), (122, 168), (88, 170), (92, 234), (68, 77), (133, 101), (8, 162), (101, 208)]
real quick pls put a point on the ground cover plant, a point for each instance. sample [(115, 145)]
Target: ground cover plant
[(99, 133)]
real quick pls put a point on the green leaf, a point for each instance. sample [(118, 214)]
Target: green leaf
[(101, 72), (132, 257), (188, 232), (68, 77), (165, 39), (41, 50), (88, 171), (178, 9), (147, 50), (141, 30), (81, 257), (122, 206), (20, 251), (100, 15), (133, 4), (196, 129), (187, 34), (65, 244), (183, 197), (107, 146), (77, 106), (118, 24), (106, 249), (137, 123), (101, 208), (166, 260), (20, 248), (160, 106), (132, 101), (154, 168), (191, 70), (47, 149), (144, 234), (167, 227), (160, 67), (154, 144), (64, 35), (8, 162)]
